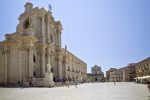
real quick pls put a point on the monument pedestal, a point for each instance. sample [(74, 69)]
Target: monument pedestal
[(48, 80)]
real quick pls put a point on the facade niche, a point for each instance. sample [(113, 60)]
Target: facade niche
[(34, 59), (26, 24)]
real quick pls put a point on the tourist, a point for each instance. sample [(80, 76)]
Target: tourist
[(76, 83), (30, 84), (67, 83), (19, 83), (93, 82), (114, 82), (63, 81)]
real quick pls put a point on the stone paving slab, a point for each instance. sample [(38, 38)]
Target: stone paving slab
[(87, 91)]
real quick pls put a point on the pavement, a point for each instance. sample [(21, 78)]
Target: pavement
[(86, 91)]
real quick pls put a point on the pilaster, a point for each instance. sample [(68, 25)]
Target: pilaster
[(31, 60), (43, 28), (43, 62), (6, 64), (20, 62), (48, 29), (60, 67)]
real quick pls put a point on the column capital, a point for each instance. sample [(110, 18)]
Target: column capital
[(43, 52), (20, 47), (31, 44), (41, 15), (6, 49)]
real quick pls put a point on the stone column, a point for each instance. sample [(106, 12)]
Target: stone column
[(60, 68), (52, 57), (59, 37), (43, 29), (63, 69), (30, 62), (43, 63), (20, 64), (5, 63), (124, 77), (48, 29), (49, 58), (49, 54)]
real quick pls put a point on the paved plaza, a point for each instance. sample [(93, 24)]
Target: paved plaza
[(87, 91)]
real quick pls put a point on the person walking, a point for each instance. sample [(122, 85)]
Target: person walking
[(76, 83), (67, 83), (114, 82)]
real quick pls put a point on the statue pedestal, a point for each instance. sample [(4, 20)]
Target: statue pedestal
[(48, 79)]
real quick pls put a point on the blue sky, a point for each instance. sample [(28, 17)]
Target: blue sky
[(109, 33)]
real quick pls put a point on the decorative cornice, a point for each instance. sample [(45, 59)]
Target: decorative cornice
[(17, 38), (40, 45), (51, 46)]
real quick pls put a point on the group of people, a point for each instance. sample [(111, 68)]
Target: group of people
[(68, 83)]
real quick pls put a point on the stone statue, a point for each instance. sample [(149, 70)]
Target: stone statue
[(49, 68), (48, 79)]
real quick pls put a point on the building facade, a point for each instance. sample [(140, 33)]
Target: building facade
[(96, 74), (116, 75), (108, 73), (124, 74), (36, 43), (75, 68), (143, 68), (129, 72)]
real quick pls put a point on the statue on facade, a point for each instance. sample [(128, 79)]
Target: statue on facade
[(48, 79), (49, 67)]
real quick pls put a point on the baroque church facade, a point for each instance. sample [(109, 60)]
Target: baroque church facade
[(96, 74), (25, 54)]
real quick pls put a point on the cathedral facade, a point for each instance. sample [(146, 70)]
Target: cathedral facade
[(25, 54)]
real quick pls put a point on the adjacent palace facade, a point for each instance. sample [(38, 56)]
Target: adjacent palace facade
[(25, 54)]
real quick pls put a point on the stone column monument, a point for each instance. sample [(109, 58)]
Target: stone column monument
[(48, 79)]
